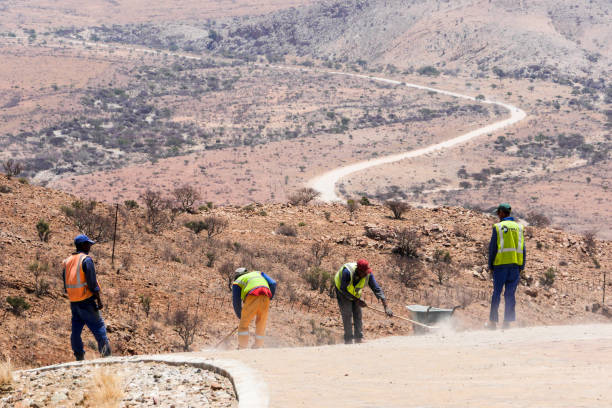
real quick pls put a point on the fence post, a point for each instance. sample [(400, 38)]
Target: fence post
[(114, 236)]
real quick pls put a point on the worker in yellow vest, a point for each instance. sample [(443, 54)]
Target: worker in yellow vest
[(83, 291), (350, 281), (255, 290), (506, 259)]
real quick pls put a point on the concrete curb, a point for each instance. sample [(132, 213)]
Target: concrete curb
[(251, 391)]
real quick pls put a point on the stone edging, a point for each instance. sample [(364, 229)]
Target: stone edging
[(250, 390)]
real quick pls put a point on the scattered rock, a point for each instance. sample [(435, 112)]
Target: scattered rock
[(533, 292)]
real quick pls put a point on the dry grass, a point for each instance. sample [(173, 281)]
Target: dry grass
[(6, 374), (105, 390)]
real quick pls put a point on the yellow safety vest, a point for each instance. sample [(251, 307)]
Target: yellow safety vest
[(76, 283), (250, 281), (353, 289), (510, 243)]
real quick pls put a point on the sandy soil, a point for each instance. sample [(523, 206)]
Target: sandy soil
[(560, 366)]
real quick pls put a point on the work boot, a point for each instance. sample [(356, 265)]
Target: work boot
[(490, 325), (105, 351), (359, 340), (79, 357)]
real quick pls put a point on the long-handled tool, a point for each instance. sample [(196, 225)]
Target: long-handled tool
[(226, 337), (404, 318)]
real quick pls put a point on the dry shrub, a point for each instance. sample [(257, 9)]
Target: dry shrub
[(441, 266), (407, 242), (12, 168), (6, 375), (215, 225), (319, 250), (105, 390), (398, 208), (408, 271), (303, 196), (537, 219), (286, 230), (590, 242), (156, 207)]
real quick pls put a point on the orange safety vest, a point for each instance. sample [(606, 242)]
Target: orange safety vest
[(76, 283)]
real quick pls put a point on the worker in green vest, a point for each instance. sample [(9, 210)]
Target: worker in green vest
[(506, 259), (255, 289), (350, 281)]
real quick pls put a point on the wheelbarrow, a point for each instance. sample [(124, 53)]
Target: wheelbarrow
[(428, 315)]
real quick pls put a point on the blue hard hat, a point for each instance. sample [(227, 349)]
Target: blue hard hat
[(81, 239)]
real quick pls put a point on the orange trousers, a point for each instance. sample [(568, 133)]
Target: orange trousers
[(253, 307)]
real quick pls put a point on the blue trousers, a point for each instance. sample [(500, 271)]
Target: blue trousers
[(86, 313), (508, 276)]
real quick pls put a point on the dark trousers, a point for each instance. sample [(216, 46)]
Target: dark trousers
[(508, 276), (86, 313), (351, 313)]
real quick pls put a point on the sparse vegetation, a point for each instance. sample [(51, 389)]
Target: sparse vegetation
[(352, 206), (286, 230), (6, 376), (105, 390), (318, 279), (215, 225), (441, 265), (407, 243), (17, 304), (43, 230), (319, 250), (408, 271), (38, 269), (303, 196), (398, 208), (12, 168), (145, 303), (549, 277), (537, 219)]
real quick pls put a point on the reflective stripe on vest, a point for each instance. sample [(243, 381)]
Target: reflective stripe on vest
[(250, 281), (76, 283), (510, 243), (353, 289)]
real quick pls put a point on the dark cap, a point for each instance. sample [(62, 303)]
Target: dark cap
[(504, 207), (81, 239)]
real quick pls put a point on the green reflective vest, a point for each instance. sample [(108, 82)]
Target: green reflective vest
[(353, 289), (250, 281), (510, 243)]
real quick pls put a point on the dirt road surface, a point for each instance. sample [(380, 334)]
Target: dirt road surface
[(554, 366)]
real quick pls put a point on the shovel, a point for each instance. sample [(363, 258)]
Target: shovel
[(404, 318)]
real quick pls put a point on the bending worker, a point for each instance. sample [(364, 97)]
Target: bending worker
[(255, 289), (506, 259), (350, 281), (83, 291)]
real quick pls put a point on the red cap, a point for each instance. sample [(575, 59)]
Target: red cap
[(363, 265)]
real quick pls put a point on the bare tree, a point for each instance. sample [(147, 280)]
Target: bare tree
[(319, 250), (186, 196), (303, 196), (186, 325), (590, 241), (155, 205), (398, 208), (12, 168)]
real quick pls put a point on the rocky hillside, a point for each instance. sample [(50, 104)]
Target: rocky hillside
[(172, 279), (560, 40)]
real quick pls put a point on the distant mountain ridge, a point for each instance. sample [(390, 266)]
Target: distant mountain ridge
[(546, 39)]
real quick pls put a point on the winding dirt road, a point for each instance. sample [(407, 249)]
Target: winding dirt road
[(326, 182)]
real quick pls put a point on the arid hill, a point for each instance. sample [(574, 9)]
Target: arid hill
[(166, 277)]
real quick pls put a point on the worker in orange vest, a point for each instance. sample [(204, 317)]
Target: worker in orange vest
[(83, 291)]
